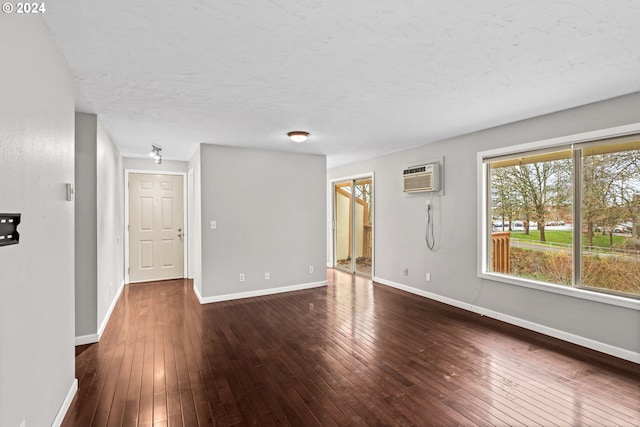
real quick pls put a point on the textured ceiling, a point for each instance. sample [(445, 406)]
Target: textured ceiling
[(364, 77)]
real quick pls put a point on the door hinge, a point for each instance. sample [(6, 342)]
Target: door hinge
[(129, 270)]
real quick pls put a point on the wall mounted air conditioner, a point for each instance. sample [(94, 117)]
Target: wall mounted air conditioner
[(421, 178)]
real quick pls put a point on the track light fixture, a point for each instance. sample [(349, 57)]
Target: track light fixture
[(155, 153)]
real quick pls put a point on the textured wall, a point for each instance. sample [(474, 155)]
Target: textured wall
[(400, 226), (195, 216), (86, 225), (110, 224), (147, 164), (37, 281), (270, 212)]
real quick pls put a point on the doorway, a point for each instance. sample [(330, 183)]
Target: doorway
[(353, 231), (156, 227)]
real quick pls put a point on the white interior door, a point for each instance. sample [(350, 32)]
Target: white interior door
[(156, 227)]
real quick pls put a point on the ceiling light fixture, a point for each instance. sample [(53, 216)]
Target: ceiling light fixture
[(298, 136), (155, 153)]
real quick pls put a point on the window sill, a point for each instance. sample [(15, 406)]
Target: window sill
[(619, 301)]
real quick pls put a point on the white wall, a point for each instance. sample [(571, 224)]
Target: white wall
[(270, 211), (195, 238), (147, 164), (37, 281), (400, 223), (110, 225)]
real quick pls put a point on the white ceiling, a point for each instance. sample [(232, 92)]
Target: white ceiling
[(364, 77)]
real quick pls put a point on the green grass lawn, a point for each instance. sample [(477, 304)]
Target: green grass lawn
[(565, 236)]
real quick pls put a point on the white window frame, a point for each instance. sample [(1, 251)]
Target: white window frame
[(483, 206)]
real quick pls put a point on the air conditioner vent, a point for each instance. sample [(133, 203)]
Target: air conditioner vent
[(421, 178)]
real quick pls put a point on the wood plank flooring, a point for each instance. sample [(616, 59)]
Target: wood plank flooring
[(353, 353)]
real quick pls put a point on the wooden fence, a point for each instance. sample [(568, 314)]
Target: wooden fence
[(500, 252)]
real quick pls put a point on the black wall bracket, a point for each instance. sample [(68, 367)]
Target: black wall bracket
[(9, 229)]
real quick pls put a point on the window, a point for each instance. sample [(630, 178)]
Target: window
[(566, 215)]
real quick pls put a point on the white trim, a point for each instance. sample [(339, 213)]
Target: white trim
[(197, 292), (331, 246), (259, 293), (94, 338), (564, 140), (483, 227), (189, 223), (562, 335), (107, 316), (187, 233), (420, 292), (87, 339), (351, 177), (66, 404), (482, 218), (536, 327)]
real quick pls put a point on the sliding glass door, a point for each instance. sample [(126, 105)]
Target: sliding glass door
[(353, 231)]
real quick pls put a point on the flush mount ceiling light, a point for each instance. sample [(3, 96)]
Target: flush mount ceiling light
[(155, 153), (298, 136)]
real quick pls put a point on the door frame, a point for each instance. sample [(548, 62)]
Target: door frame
[(187, 232), (331, 247)]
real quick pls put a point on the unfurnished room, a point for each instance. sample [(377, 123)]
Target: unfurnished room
[(310, 212)]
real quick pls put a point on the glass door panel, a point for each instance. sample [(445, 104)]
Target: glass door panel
[(363, 226), (353, 218), (343, 224)]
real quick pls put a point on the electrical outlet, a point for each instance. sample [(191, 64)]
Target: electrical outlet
[(406, 271), (266, 276), (428, 202), (242, 277), (311, 269), (428, 277), (214, 225)]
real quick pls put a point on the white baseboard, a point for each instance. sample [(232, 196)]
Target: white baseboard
[(66, 404), (565, 336), (94, 338), (197, 292), (105, 321), (259, 293), (87, 339), (536, 327)]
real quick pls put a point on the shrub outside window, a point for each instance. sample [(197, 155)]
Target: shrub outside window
[(566, 215)]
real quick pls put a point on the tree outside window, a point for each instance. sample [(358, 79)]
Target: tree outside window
[(532, 197)]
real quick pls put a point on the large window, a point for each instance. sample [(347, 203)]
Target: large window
[(566, 215)]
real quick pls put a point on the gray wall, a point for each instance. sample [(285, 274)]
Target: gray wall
[(110, 224), (400, 221), (37, 281), (86, 225), (270, 210), (99, 226)]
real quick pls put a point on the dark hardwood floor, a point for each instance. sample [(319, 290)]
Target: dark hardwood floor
[(353, 353)]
